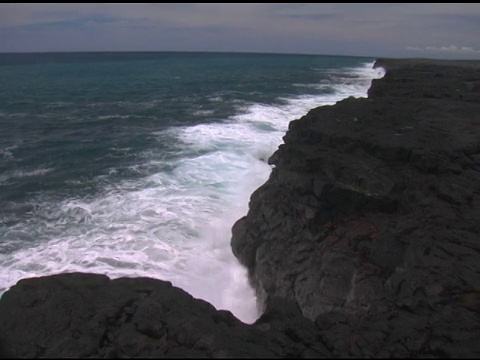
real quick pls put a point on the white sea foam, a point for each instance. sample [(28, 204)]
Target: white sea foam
[(14, 115), (59, 104), (6, 152), (108, 117), (204, 112), (173, 225), (16, 174)]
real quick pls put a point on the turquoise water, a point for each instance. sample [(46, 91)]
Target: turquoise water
[(138, 164)]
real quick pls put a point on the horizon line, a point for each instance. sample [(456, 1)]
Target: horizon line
[(177, 51)]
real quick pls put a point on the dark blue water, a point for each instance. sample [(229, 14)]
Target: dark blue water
[(139, 163)]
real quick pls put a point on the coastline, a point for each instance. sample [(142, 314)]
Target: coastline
[(362, 243)]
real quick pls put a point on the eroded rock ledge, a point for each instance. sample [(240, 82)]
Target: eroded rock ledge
[(363, 242)]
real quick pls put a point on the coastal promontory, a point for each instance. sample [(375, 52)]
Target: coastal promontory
[(363, 242)]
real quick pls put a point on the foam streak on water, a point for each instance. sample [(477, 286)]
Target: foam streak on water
[(174, 224)]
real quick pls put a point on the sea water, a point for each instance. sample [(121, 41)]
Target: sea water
[(138, 164)]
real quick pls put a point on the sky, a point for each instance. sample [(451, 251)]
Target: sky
[(450, 31)]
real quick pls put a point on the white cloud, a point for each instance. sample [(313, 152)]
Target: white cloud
[(450, 48), (354, 29)]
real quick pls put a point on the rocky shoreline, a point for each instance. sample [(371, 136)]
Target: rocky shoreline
[(364, 242)]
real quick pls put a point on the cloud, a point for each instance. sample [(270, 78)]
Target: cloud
[(450, 49), (311, 16), (80, 22), (350, 29)]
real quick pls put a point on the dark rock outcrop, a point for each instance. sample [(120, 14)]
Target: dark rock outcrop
[(364, 242), (89, 315), (370, 218)]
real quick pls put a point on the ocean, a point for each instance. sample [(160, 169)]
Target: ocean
[(138, 164)]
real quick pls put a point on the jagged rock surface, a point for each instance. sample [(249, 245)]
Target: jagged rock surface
[(89, 315), (370, 218)]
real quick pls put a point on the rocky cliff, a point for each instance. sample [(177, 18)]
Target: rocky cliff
[(363, 242), (369, 221)]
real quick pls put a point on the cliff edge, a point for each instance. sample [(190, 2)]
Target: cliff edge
[(369, 221)]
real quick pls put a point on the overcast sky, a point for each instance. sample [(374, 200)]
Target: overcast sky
[(396, 30)]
